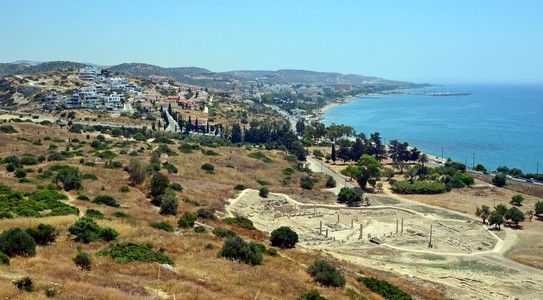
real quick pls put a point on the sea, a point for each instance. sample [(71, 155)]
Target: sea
[(495, 125)]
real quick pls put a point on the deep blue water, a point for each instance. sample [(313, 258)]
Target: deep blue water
[(496, 124)]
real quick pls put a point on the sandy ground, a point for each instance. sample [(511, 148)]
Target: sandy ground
[(465, 257)]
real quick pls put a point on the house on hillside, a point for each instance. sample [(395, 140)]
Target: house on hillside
[(146, 107), (188, 104)]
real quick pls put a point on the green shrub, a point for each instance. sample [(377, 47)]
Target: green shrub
[(240, 187), (105, 199), (199, 229), (284, 237), (24, 284), (272, 252), (237, 249), (499, 180), (187, 220), (83, 260), (311, 295), (170, 168), (383, 288), (205, 214), (262, 182), (20, 173), (124, 189), (209, 153), (330, 182), (15, 241), (56, 156), (260, 156), (209, 168), (4, 259), (308, 182), (162, 226), (240, 222), (129, 252), (263, 192), (176, 187), (209, 246), (120, 214), (82, 198), (94, 214), (351, 197), (43, 234), (86, 230), (418, 187), (168, 205), (8, 129), (69, 176), (29, 160), (223, 232), (326, 274), (89, 176), (191, 202)]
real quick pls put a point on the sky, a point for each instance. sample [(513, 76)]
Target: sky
[(483, 41)]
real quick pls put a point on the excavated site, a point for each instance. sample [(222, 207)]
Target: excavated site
[(460, 255), (325, 226)]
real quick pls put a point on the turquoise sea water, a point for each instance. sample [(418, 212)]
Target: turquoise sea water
[(497, 124)]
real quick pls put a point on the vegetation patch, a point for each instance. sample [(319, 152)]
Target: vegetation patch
[(37, 204), (129, 252), (86, 230), (162, 226), (383, 288), (237, 249), (418, 187), (105, 199), (240, 222), (260, 156)]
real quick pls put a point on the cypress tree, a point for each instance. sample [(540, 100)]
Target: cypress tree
[(334, 155)]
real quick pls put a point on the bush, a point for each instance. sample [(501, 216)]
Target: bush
[(209, 168), (69, 176), (7, 129), (29, 160), (162, 226), (42, 234), (260, 156), (83, 260), (264, 191), (383, 288), (240, 187), (499, 180), (20, 173), (169, 205), (94, 214), (86, 230), (205, 214), (311, 295), (129, 252), (4, 259), (517, 200), (124, 189), (237, 249), (24, 284), (170, 168), (176, 187), (187, 220), (89, 176), (159, 183), (326, 274), (330, 182), (418, 187), (105, 199), (284, 237), (272, 252), (240, 222), (199, 229), (350, 196), (82, 198), (308, 182), (15, 241), (223, 233), (120, 214)]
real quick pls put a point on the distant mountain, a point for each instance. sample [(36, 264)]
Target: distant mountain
[(308, 77), (205, 77), (27, 62), (13, 69), (146, 70)]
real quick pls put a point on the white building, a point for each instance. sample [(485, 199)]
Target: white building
[(89, 73)]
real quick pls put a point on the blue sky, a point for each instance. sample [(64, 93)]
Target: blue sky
[(425, 41)]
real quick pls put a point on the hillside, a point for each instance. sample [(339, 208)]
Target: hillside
[(15, 69)]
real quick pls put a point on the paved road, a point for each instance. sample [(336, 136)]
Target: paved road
[(340, 179)]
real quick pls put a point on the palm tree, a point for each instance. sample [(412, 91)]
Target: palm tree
[(423, 158)]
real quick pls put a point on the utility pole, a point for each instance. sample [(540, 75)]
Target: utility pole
[(473, 162), (442, 153), (537, 169)]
